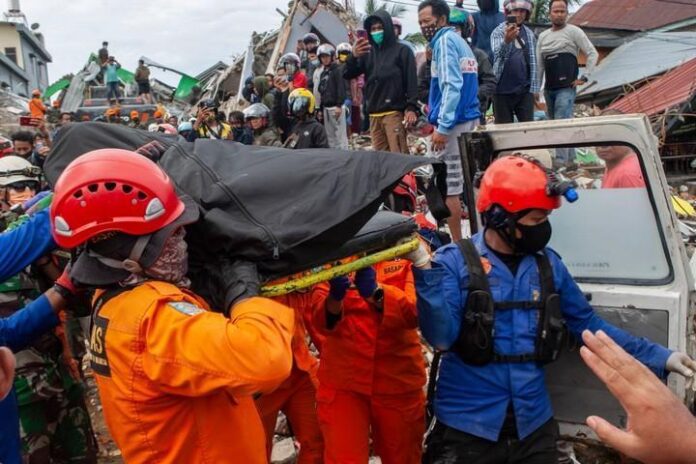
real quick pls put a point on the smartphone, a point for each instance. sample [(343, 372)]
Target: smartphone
[(29, 121), (361, 34), (511, 19)]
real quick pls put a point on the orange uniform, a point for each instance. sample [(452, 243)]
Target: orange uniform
[(176, 381), (296, 397), (372, 373), (37, 108)]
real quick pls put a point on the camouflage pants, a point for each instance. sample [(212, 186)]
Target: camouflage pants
[(58, 429)]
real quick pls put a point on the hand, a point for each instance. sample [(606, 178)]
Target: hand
[(153, 150), (366, 282), (410, 118), (438, 141), (43, 151), (7, 370), (242, 279), (512, 31), (537, 101), (361, 47), (338, 111), (420, 257), (655, 415), (338, 287), (681, 363), (578, 83), (66, 286)]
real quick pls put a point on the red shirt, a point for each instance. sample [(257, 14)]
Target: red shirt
[(299, 81), (626, 174)]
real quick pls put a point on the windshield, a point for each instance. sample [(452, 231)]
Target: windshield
[(598, 235)]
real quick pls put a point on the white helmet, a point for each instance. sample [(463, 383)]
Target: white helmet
[(257, 110), (16, 169), (326, 49), (344, 47)]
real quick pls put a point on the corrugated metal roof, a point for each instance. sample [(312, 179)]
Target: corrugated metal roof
[(651, 54), (675, 87), (633, 15)]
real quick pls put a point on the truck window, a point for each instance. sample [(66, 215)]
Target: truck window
[(598, 236)]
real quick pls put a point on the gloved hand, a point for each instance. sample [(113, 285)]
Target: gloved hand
[(153, 150), (66, 286), (420, 256), (338, 287), (366, 282), (242, 279), (681, 363)]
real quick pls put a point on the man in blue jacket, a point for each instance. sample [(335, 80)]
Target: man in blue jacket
[(18, 249), (485, 307), (453, 101)]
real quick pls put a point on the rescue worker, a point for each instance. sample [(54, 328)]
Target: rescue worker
[(257, 116), (175, 379), (372, 371), (54, 421), (19, 181), (207, 125), (307, 131), (497, 306), (334, 97), (296, 397), (36, 106)]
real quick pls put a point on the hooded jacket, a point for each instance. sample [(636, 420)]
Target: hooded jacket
[(391, 83), (332, 86), (264, 92), (486, 21)]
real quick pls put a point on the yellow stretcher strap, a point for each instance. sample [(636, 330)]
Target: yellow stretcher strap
[(342, 269)]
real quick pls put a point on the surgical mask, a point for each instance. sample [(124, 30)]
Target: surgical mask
[(315, 62), (378, 37), (343, 57), (429, 32), (534, 238)]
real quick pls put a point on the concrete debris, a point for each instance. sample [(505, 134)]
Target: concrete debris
[(284, 452), (11, 107)]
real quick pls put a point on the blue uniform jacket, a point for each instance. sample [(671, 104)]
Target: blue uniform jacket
[(475, 399), (454, 82), (18, 249)]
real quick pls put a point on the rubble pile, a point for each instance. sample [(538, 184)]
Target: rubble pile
[(11, 107)]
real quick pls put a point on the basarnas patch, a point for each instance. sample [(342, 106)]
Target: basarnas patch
[(186, 308)]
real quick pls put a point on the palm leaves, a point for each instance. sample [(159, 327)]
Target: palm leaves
[(540, 13), (395, 10)]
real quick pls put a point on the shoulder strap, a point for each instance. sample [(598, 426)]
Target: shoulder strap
[(545, 276), (107, 295), (477, 276)]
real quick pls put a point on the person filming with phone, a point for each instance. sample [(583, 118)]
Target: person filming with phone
[(391, 83)]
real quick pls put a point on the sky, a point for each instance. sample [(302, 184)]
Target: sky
[(186, 35)]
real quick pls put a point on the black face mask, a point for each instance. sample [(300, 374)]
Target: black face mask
[(429, 32), (534, 238)]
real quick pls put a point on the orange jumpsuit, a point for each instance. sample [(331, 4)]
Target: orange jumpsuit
[(37, 108), (176, 380), (372, 373), (296, 397)]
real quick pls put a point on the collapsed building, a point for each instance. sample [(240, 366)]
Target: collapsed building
[(328, 19)]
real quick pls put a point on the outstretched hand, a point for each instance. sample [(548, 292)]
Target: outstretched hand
[(660, 428)]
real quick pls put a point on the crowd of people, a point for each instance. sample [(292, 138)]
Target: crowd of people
[(179, 382)]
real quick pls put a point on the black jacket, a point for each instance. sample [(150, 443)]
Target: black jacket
[(486, 79), (307, 134), (332, 86), (390, 71)]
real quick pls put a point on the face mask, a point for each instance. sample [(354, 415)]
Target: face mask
[(17, 197), (378, 37), (172, 263), (315, 62), (429, 32), (534, 238), (342, 57)]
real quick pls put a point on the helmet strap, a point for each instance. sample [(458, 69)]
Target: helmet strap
[(130, 264)]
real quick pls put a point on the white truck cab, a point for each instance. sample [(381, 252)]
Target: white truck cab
[(620, 241)]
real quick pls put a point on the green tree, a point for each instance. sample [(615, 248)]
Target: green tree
[(540, 13), (416, 39), (395, 10)]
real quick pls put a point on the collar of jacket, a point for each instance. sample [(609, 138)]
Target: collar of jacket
[(440, 33)]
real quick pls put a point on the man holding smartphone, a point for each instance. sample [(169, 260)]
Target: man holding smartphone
[(391, 84), (515, 65)]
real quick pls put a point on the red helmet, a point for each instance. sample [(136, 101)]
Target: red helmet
[(516, 183), (112, 190)]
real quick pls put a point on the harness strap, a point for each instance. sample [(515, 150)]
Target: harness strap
[(477, 276)]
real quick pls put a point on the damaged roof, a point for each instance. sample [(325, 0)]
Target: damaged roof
[(633, 15), (676, 87), (651, 54)]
